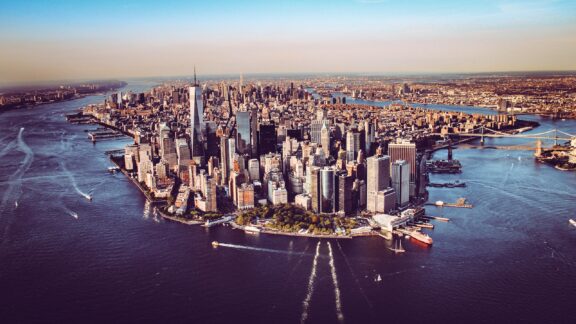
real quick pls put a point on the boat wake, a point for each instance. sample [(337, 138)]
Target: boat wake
[(73, 181), (7, 148), (251, 248), (14, 190), (335, 282), (71, 212), (310, 290)]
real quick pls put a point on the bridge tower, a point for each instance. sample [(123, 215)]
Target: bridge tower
[(482, 137), (538, 152), (555, 136)]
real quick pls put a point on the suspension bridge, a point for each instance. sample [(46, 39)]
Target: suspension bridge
[(554, 135)]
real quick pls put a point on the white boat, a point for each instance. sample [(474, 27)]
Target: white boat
[(251, 229), (573, 222), (16, 204), (215, 244), (378, 278), (89, 197)]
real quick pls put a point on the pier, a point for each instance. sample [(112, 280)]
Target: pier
[(106, 134)]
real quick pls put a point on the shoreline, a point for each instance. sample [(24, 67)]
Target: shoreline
[(77, 96), (234, 225)]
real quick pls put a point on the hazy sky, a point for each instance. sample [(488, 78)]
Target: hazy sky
[(59, 39)]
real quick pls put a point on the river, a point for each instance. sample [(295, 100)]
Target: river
[(511, 258)]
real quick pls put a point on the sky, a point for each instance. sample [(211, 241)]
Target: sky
[(61, 39)]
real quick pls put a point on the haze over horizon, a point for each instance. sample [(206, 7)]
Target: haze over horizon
[(108, 39)]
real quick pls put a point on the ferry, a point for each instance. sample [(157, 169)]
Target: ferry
[(573, 222), (252, 229), (215, 244), (424, 238)]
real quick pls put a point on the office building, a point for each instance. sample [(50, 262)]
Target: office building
[(344, 196), (401, 181), (267, 139), (327, 190), (325, 140), (404, 151), (243, 127), (196, 120)]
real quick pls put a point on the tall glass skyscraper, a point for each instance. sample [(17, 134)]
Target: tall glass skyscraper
[(401, 181), (196, 119), (327, 190), (243, 127)]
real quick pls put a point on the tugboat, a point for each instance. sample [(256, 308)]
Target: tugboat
[(215, 244)]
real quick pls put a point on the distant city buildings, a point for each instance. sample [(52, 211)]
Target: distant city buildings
[(225, 145)]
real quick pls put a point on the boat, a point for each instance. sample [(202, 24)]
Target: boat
[(573, 222), (398, 248), (89, 197), (424, 238), (16, 204), (252, 229), (215, 244), (378, 278)]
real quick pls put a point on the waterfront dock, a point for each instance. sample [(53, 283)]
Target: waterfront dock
[(104, 134), (442, 219)]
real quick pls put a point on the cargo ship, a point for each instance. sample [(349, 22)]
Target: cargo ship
[(424, 238)]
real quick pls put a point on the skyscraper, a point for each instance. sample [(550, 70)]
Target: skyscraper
[(401, 181), (327, 190), (224, 159), (315, 188), (231, 152), (369, 136), (267, 139), (352, 145), (196, 119), (183, 151), (253, 131), (378, 179), (243, 138), (378, 173), (406, 152), (344, 196), (325, 140)]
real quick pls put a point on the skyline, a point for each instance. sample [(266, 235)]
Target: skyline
[(68, 40)]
